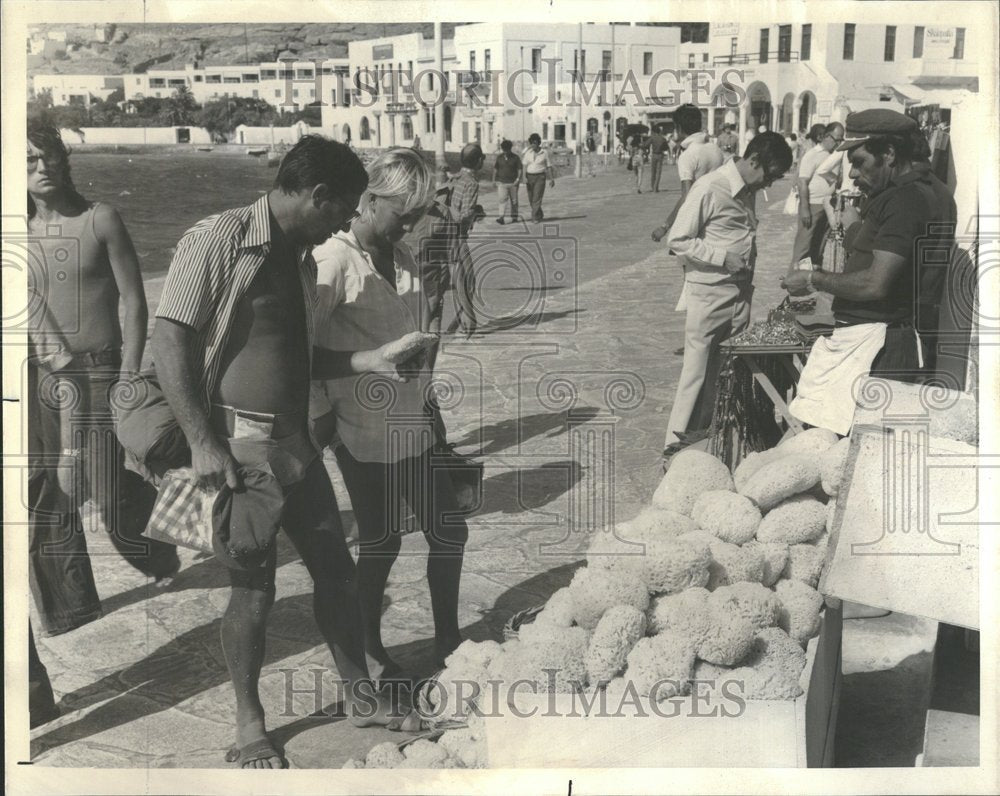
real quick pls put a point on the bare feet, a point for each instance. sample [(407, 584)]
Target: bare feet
[(391, 708)]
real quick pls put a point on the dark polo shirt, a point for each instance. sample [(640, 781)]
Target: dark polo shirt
[(912, 216), (507, 167)]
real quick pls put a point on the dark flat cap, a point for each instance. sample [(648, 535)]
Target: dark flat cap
[(875, 122)]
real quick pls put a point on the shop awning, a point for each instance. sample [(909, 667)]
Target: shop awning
[(914, 95)]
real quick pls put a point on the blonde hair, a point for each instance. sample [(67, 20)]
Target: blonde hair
[(402, 172)]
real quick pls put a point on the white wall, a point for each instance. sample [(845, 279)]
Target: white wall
[(133, 136), (268, 135)]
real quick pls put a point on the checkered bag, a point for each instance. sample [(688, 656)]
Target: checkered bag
[(183, 511)]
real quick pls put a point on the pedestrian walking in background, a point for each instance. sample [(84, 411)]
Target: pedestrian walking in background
[(466, 210), (714, 235), (79, 356), (728, 141), (507, 169), (637, 157), (657, 144), (817, 178), (536, 170)]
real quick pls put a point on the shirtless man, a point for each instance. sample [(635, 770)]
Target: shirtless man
[(233, 350), (86, 268)]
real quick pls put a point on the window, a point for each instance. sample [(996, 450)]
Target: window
[(472, 60), (256, 94), (959, 43), (295, 93), (545, 131), (784, 43), (465, 132), (704, 58), (647, 63), (606, 60), (365, 132), (536, 60), (583, 62), (765, 37), (277, 92), (268, 74), (890, 43), (197, 78), (690, 60), (231, 80), (732, 49), (805, 50), (333, 97), (409, 69), (251, 79), (572, 130), (213, 78), (918, 41), (303, 74), (849, 41), (486, 60)]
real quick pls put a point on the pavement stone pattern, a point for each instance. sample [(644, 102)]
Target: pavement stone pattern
[(567, 410)]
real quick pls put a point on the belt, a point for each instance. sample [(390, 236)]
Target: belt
[(282, 424), (93, 359)]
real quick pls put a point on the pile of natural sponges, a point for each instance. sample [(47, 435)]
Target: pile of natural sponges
[(719, 583)]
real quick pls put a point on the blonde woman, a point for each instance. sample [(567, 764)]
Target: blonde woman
[(369, 291)]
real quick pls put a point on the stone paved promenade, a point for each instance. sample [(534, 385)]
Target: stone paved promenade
[(567, 410)]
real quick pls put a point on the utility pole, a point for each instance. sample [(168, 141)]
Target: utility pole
[(579, 106), (611, 137), (439, 103)]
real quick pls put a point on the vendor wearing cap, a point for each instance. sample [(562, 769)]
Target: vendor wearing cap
[(876, 295)]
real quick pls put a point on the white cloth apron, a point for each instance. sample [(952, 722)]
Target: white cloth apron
[(825, 394)]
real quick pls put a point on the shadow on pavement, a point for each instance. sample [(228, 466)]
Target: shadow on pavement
[(531, 319), (193, 663), (531, 487), (515, 431), (416, 656)]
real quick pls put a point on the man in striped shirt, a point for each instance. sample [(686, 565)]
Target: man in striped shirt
[(234, 353), (714, 235)]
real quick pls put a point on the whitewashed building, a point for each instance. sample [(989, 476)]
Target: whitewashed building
[(287, 84), (506, 80), (796, 74), (76, 89)]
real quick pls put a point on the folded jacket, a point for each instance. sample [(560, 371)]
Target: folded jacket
[(246, 521)]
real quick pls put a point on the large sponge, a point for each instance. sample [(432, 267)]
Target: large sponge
[(691, 473)]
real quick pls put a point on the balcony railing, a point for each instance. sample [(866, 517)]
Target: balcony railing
[(743, 59)]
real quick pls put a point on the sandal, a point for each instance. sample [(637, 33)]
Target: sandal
[(261, 749)]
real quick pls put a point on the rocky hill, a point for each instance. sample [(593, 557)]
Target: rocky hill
[(137, 47)]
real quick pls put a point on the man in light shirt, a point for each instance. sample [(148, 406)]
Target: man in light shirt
[(698, 157), (818, 175), (714, 235)]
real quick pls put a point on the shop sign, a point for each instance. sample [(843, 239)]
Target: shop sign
[(725, 29), (381, 52)]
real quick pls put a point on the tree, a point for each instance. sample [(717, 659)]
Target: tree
[(220, 117)]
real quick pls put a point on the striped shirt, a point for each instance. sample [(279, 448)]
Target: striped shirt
[(464, 199), (212, 268), (718, 215), (358, 309)]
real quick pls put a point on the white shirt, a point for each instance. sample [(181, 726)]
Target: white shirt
[(821, 169), (535, 162), (717, 216), (358, 310), (699, 157)]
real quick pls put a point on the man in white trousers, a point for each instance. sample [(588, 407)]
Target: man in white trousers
[(714, 236)]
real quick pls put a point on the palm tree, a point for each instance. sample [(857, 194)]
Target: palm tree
[(183, 105)]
